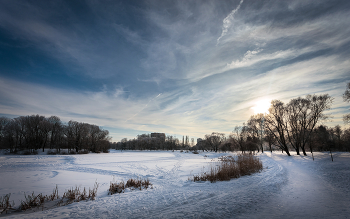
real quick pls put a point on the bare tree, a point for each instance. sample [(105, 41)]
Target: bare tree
[(8, 135), (45, 128), (302, 116), (346, 98), (338, 132), (346, 139), (277, 124), (21, 130), (35, 132), (214, 140), (56, 127), (270, 139), (3, 123), (256, 126), (293, 123), (238, 137)]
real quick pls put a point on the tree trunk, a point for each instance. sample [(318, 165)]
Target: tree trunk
[(304, 152), (287, 151)]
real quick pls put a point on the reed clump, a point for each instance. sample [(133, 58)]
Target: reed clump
[(131, 183), (230, 167), (33, 201), (75, 195), (5, 204)]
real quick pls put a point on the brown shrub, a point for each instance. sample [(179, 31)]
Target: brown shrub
[(75, 195), (54, 195), (116, 188), (131, 183), (229, 168), (5, 204), (36, 201), (32, 201)]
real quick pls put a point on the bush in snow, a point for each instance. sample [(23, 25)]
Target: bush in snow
[(229, 167), (5, 204), (131, 183), (75, 195), (36, 201)]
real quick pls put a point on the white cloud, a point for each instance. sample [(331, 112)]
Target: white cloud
[(227, 22)]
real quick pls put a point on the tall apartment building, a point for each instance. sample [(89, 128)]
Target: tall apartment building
[(158, 135)]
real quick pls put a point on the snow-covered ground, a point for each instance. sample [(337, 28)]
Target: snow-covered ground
[(288, 187)]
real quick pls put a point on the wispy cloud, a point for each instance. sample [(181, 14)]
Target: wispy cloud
[(227, 22), (143, 107)]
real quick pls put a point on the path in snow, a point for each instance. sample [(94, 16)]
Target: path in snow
[(314, 189)]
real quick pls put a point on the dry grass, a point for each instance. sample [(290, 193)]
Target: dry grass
[(54, 195), (229, 167), (116, 188), (36, 201), (131, 183), (75, 195), (32, 201), (5, 204)]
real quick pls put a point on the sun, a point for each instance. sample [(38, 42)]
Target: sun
[(262, 106)]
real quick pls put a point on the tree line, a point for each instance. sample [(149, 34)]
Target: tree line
[(39, 132), (286, 126), (146, 142), (296, 125), (293, 126)]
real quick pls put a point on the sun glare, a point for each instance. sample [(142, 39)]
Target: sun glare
[(262, 106)]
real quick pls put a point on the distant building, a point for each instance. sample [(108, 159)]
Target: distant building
[(158, 135)]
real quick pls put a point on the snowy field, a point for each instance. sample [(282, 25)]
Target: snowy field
[(288, 187)]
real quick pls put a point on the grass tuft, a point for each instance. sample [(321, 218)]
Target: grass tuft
[(35, 201), (5, 204), (131, 183), (32, 201), (229, 167), (116, 188), (75, 195)]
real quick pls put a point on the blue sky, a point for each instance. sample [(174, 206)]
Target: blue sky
[(179, 67)]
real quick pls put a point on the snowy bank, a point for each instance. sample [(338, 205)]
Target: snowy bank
[(289, 187)]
